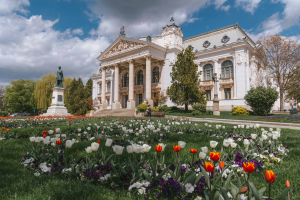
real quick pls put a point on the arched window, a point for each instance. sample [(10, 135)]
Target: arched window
[(207, 72), (140, 78), (126, 80), (155, 75), (227, 69), (108, 86)]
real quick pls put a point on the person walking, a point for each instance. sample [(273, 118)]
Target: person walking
[(149, 111)]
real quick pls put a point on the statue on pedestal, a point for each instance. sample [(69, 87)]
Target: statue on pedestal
[(59, 78)]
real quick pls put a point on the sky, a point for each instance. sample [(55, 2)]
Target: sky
[(37, 36)]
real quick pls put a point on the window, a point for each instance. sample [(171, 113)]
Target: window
[(140, 98), (108, 87), (208, 94), (155, 75), (227, 92), (227, 69), (207, 72), (126, 80), (126, 99), (108, 102), (140, 78)]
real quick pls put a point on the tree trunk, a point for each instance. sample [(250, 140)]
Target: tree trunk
[(281, 98), (186, 107)]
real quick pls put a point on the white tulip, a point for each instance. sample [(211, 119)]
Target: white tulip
[(146, 148), (53, 144), (38, 139), (213, 144), (137, 148), (108, 142), (270, 142), (46, 140), (223, 127), (88, 128), (50, 132), (69, 143), (270, 129), (246, 143), (242, 126), (275, 136), (53, 140), (234, 127), (32, 139), (118, 149), (63, 135), (84, 132), (129, 149), (204, 149), (239, 126), (230, 140), (264, 137), (163, 146), (88, 150), (79, 129), (181, 144), (202, 155), (226, 143), (57, 130), (95, 146), (137, 134), (57, 136), (257, 125), (79, 134), (233, 145), (253, 136)]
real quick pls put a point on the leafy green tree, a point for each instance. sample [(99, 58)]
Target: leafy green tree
[(70, 96), (185, 89), (18, 95), (261, 99), (80, 99), (88, 89)]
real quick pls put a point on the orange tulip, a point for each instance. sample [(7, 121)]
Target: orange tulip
[(58, 142), (193, 151), (69, 123), (270, 176), (176, 148), (3, 128), (287, 184), (209, 167), (215, 156), (158, 148), (44, 135), (249, 167), (7, 130), (221, 164)]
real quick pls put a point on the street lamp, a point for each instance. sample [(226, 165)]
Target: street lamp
[(216, 99)]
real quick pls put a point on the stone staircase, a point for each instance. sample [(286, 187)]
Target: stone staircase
[(118, 112)]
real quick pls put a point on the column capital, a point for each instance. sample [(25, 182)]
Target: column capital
[(148, 57), (215, 60), (131, 61), (116, 65)]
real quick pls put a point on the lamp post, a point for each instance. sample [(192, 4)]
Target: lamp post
[(216, 99)]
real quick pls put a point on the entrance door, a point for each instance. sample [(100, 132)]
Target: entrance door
[(126, 99)]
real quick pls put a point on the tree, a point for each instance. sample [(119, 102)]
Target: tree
[(160, 99), (80, 99), (70, 96), (282, 55), (293, 86), (185, 89), (18, 95), (261, 99), (1, 90), (88, 90)]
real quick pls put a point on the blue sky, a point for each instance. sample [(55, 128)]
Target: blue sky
[(36, 36)]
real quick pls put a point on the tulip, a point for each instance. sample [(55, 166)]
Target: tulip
[(108, 142), (226, 143), (32, 139), (270, 176), (204, 149), (246, 143), (3, 128), (137, 148), (176, 148), (213, 144), (233, 145), (146, 148), (163, 146), (95, 146), (264, 137), (98, 141), (209, 167), (69, 143), (118, 149), (181, 144), (249, 167), (215, 156), (57, 130), (69, 124), (7, 130), (221, 164), (253, 136), (46, 140), (202, 155), (58, 142), (158, 148), (287, 184), (193, 151), (88, 150), (129, 149)]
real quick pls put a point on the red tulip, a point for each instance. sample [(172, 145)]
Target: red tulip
[(221, 164), (44, 135), (249, 167), (3, 128), (176, 148), (98, 141), (215, 156), (158, 148), (193, 151), (58, 142), (270, 176), (69, 123), (209, 167), (7, 130), (287, 184)]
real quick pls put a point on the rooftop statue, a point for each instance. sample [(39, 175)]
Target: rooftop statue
[(59, 78)]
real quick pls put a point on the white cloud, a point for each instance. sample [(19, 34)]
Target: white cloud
[(247, 5), (9, 6), (77, 31), (219, 3), (225, 8)]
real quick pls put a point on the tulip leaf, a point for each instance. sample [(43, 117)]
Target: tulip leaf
[(147, 176), (205, 176), (285, 193), (206, 194), (131, 166), (234, 189), (228, 179), (198, 178), (219, 177), (239, 182), (212, 194), (262, 190), (190, 179), (162, 173), (255, 192), (224, 193)]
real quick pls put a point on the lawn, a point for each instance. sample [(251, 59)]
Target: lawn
[(20, 183), (227, 115)]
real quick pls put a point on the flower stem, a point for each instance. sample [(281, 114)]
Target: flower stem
[(270, 191)]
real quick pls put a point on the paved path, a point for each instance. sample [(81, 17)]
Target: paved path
[(295, 126)]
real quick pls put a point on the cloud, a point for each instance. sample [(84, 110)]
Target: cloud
[(225, 8), (219, 3), (77, 31), (247, 5), (140, 18), (9, 6)]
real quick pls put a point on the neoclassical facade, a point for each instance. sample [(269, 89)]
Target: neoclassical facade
[(133, 71)]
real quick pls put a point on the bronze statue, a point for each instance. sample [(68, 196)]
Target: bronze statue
[(59, 78)]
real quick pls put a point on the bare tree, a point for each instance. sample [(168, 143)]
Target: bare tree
[(282, 56)]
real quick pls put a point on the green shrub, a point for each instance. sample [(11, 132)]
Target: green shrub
[(142, 107), (261, 99), (239, 110), (200, 107), (174, 108), (196, 113), (3, 113), (163, 108), (155, 109)]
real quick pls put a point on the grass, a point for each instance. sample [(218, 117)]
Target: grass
[(227, 115), (18, 183)]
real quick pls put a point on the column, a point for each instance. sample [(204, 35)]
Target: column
[(148, 81), (103, 97), (216, 91), (116, 104), (131, 101)]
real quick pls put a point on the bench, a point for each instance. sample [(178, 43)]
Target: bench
[(156, 114)]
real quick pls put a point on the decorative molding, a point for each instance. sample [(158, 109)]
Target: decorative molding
[(240, 59), (131, 61), (206, 44), (122, 31), (148, 39), (225, 39), (123, 45), (148, 57)]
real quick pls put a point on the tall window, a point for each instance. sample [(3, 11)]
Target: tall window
[(227, 92), (108, 86), (126, 99), (140, 77), (155, 75), (208, 94), (227, 69), (126, 80), (140, 98), (207, 72)]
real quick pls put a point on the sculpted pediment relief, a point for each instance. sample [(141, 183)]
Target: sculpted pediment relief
[(121, 46)]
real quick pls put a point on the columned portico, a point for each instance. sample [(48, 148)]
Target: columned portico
[(103, 94), (131, 101), (148, 81), (116, 103)]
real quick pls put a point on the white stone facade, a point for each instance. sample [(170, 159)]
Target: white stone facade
[(144, 65)]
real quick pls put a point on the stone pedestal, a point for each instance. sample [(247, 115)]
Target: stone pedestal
[(130, 104), (216, 107), (116, 105), (57, 107)]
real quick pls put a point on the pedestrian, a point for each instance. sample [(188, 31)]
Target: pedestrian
[(149, 111)]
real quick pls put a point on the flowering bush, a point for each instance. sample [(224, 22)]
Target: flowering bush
[(239, 110)]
